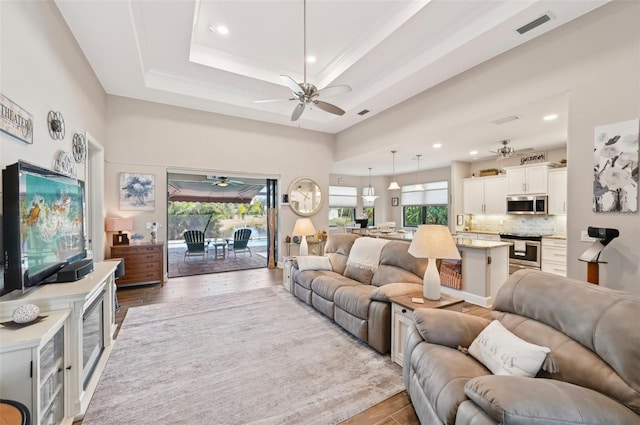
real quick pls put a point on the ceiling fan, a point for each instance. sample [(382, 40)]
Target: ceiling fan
[(307, 93), (221, 181), (506, 151)]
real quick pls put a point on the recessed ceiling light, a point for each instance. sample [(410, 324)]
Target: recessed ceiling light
[(437, 145), (311, 59), (473, 152), (220, 29), (550, 117)]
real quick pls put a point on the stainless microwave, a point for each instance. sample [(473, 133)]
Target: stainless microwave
[(527, 204)]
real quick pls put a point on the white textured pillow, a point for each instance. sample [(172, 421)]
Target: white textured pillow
[(503, 353), (313, 262)]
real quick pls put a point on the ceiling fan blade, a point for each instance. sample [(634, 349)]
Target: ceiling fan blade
[(291, 83), (332, 109), (334, 91), (297, 111), (272, 100)]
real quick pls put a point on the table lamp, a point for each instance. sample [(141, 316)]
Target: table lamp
[(433, 242), (119, 224), (303, 228)]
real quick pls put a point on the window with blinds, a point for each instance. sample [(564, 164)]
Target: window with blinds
[(343, 201), (428, 206)]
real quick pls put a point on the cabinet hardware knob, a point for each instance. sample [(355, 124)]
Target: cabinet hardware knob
[(404, 310), (68, 367)]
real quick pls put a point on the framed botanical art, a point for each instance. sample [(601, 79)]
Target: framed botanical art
[(615, 168), (137, 192), (395, 201)]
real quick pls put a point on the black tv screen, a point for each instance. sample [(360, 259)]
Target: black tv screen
[(43, 224)]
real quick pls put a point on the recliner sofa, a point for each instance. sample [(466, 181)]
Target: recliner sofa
[(594, 338), (358, 298)]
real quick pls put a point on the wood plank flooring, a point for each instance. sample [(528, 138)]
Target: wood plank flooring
[(396, 410)]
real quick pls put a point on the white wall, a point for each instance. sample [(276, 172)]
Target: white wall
[(41, 69), (596, 60), (146, 137)]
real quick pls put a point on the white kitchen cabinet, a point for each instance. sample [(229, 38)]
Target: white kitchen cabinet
[(558, 192), (527, 179), (485, 195), (554, 256), (34, 368)]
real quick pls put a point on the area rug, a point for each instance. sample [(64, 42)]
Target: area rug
[(254, 357)]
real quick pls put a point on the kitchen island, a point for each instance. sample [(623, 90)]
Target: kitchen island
[(485, 267)]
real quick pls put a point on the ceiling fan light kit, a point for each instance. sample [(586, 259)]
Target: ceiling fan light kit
[(394, 184), (307, 93), (505, 151)]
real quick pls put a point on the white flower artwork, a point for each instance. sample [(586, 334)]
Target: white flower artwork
[(615, 169)]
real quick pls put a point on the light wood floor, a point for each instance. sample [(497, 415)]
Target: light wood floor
[(396, 410)]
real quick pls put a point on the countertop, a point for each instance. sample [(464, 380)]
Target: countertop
[(480, 244)]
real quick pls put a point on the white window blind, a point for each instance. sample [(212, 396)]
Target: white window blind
[(343, 196), (434, 193)]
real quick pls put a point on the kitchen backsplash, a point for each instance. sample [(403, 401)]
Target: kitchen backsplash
[(549, 224)]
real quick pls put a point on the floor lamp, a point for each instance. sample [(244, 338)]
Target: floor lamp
[(303, 228), (433, 242)]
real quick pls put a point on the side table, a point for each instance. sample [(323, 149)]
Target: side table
[(402, 317), (219, 249), (287, 265)]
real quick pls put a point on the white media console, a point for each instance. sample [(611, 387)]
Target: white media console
[(53, 366)]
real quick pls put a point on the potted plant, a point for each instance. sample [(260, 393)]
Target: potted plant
[(489, 172)]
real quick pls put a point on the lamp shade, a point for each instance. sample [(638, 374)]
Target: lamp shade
[(118, 224), (304, 227), (433, 241)]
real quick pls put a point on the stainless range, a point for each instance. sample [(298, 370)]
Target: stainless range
[(524, 252)]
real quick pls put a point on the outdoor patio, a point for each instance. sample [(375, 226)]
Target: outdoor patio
[(209, 264)]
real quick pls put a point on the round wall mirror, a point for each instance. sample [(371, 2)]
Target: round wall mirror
[(305, 196)]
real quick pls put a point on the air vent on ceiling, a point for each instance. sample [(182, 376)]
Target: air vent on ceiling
[(364, 111), (506, 119), (534, 24)]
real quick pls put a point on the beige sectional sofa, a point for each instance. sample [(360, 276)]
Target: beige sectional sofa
[(356, 297), (594, 340)]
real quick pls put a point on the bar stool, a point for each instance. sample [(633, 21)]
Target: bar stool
[(14, 413)]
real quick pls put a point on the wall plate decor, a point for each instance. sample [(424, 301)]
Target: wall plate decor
[(615, 168), (137, 192), (15, 121), (55, 122), (79, 148), (63, 163)]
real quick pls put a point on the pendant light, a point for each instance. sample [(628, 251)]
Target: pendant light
[(369, 193), (419, 185), (394, 184)]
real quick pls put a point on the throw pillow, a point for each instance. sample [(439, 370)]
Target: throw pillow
[(503, 353), (313, 262)]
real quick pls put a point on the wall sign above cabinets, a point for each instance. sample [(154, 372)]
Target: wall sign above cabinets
[(533, 158)]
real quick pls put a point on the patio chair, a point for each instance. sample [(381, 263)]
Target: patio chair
[(240, 241), (196, 244)]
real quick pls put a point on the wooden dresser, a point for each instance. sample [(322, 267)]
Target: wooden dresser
[(143, 263)]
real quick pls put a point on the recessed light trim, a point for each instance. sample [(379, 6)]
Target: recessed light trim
[(550, 117), (437, 145), (473, 152), (311, 59)]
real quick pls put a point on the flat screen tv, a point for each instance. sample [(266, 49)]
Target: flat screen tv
[(43, 224)]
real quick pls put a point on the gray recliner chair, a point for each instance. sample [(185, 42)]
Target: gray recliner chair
[(593, 336)]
